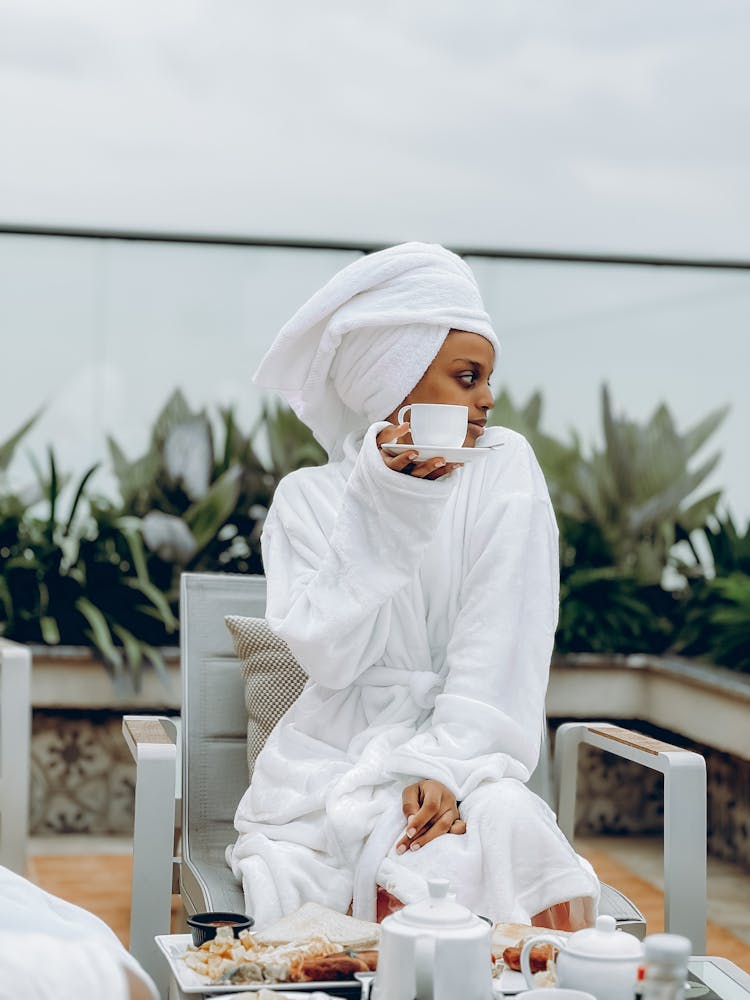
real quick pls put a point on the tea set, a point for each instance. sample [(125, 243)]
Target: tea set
[(437, 949)]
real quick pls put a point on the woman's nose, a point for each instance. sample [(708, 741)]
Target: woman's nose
[(486, 400)]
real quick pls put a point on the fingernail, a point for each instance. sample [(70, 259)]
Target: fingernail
[(401, 849), (410, 832), (410, 818), (415, 846), (439, 465), (412, 455)]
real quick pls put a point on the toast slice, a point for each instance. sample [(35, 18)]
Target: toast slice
[(314, 920)]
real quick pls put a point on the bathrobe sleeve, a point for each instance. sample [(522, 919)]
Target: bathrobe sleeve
[(488, 721), (333, 571)]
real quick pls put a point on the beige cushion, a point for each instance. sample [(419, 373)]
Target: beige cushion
[(273, 678)]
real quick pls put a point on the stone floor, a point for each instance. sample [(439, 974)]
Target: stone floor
[(728, 885), (96, 873)]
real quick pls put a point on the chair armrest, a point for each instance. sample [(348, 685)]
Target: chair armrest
[(684, 813), (155, 754), (141, 730)]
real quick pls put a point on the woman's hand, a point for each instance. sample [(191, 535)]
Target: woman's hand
[(430, 810), (432, 468)]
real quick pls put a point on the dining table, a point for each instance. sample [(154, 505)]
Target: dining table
[(710, 977)]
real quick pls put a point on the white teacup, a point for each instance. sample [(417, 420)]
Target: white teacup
[(440, 424)]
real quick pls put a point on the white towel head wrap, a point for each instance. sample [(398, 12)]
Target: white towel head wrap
[(358, 347)]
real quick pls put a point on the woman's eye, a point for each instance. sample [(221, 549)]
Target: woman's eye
[(468, 378)]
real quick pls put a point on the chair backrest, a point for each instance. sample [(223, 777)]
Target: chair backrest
[(214, 720)]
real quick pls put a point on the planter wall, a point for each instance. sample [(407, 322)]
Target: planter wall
[(82, 773)]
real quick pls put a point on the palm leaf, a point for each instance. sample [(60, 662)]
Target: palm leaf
[(206, 516), (77, 499), (160, 603), (130, 528), (7, 448), (153, 655), (100, 633), (697, 436), (49, 629), (133, 653), (175, 411)]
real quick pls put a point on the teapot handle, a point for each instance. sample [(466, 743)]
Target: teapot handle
[(424, 967), (525, 963)]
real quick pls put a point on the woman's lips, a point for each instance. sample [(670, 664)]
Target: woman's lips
[(474, 431)]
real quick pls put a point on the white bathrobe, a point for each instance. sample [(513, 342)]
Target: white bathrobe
[(424, 614)]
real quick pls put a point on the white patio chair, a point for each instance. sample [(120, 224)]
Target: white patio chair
[(15, 753), (214, 776)]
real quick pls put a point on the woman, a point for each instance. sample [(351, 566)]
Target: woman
[(421, 599)]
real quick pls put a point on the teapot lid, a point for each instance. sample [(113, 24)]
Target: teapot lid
[(440, 909), (604, 941)]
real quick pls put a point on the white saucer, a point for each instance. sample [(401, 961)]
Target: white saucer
[(425, 451)]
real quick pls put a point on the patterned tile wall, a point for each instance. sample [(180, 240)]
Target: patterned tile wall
[(82, 774), (83, 780)]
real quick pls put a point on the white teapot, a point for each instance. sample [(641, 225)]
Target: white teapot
[(600, 960), (434, 950)]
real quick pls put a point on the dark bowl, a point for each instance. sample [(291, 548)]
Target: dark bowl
[(204, 925)]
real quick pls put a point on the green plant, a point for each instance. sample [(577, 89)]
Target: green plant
[(604, 611), (106, 571), (639, 488), (621, 509), (198, 497), (717, 602), (58, 585)]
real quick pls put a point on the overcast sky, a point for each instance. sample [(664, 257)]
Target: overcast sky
[(565, 124)]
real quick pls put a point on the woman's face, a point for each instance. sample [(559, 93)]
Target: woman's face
[(459, 374)]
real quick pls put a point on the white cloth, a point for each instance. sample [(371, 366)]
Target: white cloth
[(354, 350), (424, 614), (53, 950)]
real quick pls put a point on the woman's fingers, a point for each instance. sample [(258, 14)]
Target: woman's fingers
[(399, 463), (445, 470), (406, 462), (425, 470), (411, 800), (430, 810), (392, 434), (442, 824)]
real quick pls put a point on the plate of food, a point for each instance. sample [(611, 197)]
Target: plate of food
[(312, 949), (507, 943)]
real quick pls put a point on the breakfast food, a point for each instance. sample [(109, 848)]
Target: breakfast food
[(313, 959), (341, 965), (508, 940), (539, 956), (314, 920), (244, 960)]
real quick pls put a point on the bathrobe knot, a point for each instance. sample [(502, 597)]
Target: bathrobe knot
[(424, 685)]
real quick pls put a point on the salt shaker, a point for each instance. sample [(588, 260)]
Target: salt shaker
[(666, 959)]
